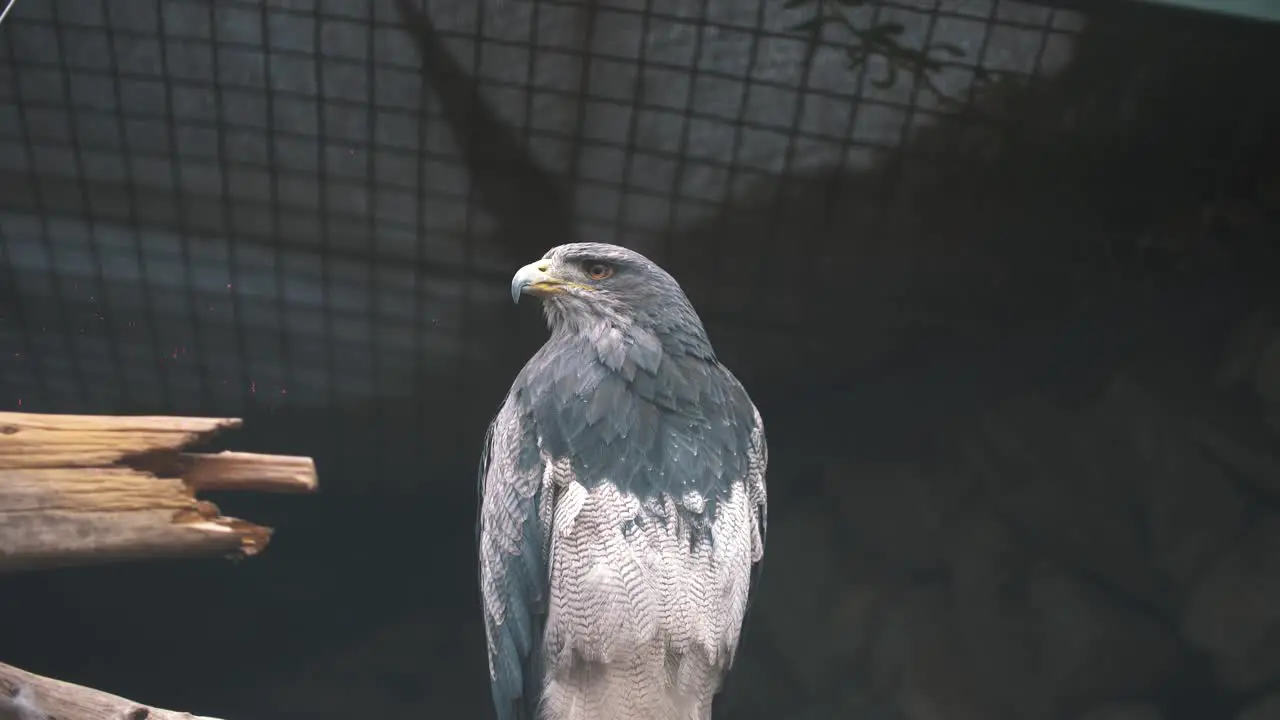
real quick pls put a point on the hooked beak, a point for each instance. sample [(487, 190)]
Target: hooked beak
[(533, 280)]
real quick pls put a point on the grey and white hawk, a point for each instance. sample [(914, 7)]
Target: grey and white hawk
[(622, 502)]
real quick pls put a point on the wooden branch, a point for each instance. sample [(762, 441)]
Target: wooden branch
[(248, 471), (77, 489), (27, 696)]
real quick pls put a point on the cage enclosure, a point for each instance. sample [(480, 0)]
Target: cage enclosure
[(1001, 277)]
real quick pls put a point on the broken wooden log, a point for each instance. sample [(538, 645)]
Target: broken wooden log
[(83, 489), (27, 696)]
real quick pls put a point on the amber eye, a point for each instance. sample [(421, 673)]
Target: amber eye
[(599, 271)]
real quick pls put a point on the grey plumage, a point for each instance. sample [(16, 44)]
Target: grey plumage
[(623, 506)]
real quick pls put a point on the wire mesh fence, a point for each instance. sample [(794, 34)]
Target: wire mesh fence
[(209, 205), (235, 207), (241, 208)]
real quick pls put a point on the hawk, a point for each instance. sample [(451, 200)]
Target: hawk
[(622, 502)]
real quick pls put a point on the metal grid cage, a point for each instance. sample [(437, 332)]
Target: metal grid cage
[(210, 206), (256, 208), (239, 207)]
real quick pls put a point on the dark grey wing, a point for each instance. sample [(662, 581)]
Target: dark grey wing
[(757, 490), (513, 561)]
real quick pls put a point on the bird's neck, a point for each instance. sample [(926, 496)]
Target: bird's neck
[(618, 342)]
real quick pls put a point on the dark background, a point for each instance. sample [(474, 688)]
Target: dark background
[(1018, 351)]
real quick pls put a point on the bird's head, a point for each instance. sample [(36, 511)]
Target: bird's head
[(584, 286)]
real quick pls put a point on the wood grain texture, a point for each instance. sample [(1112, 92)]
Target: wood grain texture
[(78, 489), (28, 696)]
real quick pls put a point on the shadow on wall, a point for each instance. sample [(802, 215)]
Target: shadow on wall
[(1023, 432)]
